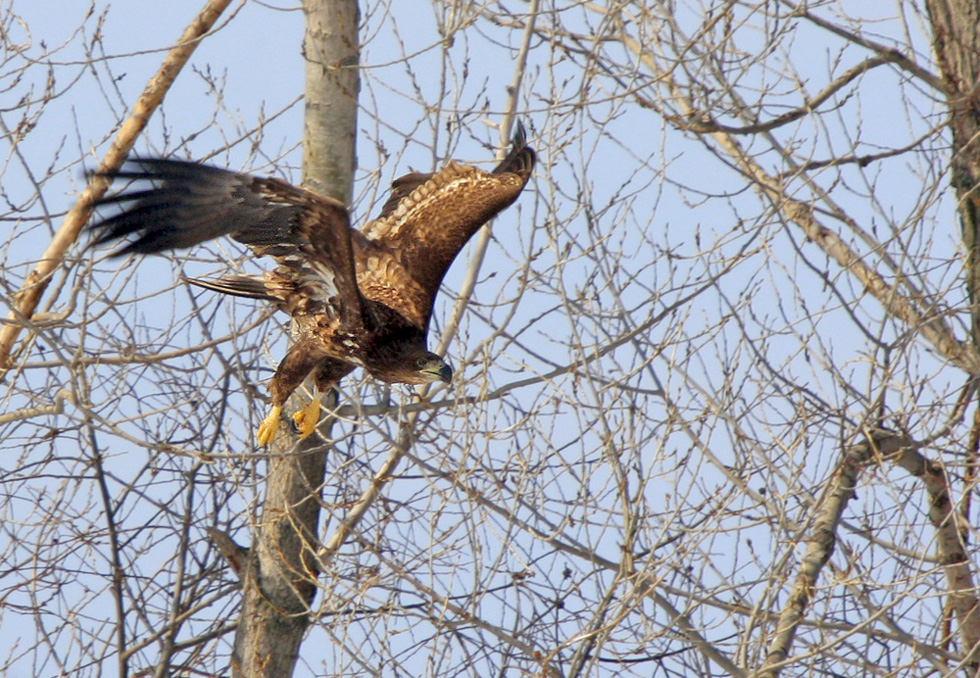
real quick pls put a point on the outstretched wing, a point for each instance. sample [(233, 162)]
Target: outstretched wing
[(188, 203), (429, 217)]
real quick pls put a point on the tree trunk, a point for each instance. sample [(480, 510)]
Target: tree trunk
[(956, 42), (332, 85), (279, 581)]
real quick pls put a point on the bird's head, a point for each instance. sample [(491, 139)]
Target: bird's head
[(430, 367), (413, 366)]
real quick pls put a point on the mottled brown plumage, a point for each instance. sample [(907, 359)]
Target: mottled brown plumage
[(358, 298)]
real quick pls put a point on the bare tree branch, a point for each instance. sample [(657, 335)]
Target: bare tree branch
[(27, 299)]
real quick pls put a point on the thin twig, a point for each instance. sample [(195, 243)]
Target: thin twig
[(29, 296)]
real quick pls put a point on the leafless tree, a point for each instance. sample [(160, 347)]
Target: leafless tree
[(716, 400)]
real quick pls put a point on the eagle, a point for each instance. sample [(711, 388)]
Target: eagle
[(358, 298)]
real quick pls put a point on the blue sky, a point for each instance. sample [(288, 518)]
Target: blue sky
[(626, 216)]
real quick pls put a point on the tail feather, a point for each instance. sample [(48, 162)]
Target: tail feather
[(249, 286)]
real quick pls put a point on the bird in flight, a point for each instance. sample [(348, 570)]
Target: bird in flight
[(359, 298)]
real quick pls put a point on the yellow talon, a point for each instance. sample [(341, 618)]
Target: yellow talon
[(268, 427), (307, 418)]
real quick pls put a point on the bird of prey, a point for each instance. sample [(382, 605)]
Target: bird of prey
[(358, 297)]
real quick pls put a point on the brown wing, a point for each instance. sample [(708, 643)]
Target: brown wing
[(382, 278), (402, 187), (429, 218), (307, 234)]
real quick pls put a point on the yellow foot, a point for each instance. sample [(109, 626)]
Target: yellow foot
[(307, 418), (268, 427)]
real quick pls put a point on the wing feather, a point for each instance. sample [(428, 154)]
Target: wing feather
[(430, 217), (402, 187), (382, 278), (307, 234)]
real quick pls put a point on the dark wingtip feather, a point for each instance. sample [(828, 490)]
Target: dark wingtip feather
[(137, 206), (175, 204), (520, 135), (521, 157)]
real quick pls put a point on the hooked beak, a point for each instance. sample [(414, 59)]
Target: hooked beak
[(437, 369), (445, 373)]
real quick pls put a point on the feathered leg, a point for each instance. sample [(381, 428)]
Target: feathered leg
[(300, 360)]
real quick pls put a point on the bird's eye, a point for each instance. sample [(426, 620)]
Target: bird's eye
[(422, 362)]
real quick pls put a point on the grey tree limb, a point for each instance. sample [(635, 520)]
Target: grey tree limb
[(281, 579)]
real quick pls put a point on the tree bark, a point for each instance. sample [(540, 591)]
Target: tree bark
[(332, 84), (956, 43), (279, 581)]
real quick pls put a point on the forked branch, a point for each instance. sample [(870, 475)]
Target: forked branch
[(26, 300)]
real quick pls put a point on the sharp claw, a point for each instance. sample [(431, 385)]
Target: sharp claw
[(268, 427), (307, 418)]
